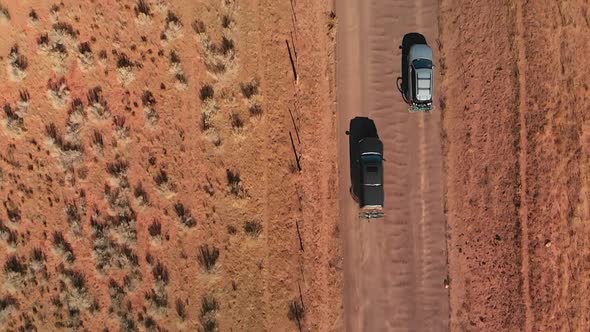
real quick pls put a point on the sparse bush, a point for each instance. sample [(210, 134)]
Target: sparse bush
[(77, 279), (4, 12), (63, 28), (174, 58), (185, 215), (249, 89), (155, 228), (209, 305), (33, 15), (253, 228), (17, 60), (231, 229), (84, 48), (24, 95), (64, 247), (180, 309), (7, 234), (199, 26), (97, 139), (118, 168), (161, 178), (208, 256), (123, 61), (38, 256), (120, 128), (73, 215), (12, 118), (171, 18), (226, 48), (160, 273), (296, 311), (143, 7), (158, 299), (207, 92), (255, 110), (43, 40), (12, 211), (140, 194), (148, 99), (7, 302), (226, 21), (236, 121), (14, 265), (235, 183)]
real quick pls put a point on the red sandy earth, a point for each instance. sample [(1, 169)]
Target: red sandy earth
[(255, 278), (515, 96)]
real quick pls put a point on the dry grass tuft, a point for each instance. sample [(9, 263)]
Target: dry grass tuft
[(184, 214), (58, 92), (208, 257), (18, 64), (253, 228)]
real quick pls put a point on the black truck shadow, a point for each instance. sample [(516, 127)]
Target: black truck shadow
[(409, 40), (360, 127)]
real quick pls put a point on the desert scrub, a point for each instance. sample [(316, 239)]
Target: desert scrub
[(8, 235), (125, 69), (235, 183), (149, 101), (58, 92), (208, 256), (253, 228), (163, 181), (143, 12), (121, 129), (155, 229), (14, 121), (4, 14), (209, 308), (184, 214), (85, 56), (160, 273), (76, 116), (63, 247), (97, 104), (172, 27), (18, 64), (74, 216), (141, 194), (12, 211)]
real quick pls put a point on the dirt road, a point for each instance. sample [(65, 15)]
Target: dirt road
[(394, 267)]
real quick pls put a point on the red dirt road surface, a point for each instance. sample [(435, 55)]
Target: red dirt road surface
[(394, 267)]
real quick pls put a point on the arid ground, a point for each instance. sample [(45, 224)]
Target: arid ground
[(517, 141), (181, 166), (147, 172)]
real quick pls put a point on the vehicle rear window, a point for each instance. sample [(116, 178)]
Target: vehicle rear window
[(372, 169), (422, 63)]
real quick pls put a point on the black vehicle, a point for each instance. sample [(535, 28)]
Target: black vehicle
[(366, 167)]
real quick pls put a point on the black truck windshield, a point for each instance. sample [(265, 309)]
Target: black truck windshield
[(422, 64)]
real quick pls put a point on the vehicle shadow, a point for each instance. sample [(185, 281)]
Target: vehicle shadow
[(409, 40), (360, 127)]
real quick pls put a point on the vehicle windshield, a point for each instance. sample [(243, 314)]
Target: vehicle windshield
[(422, 64), (371, 158)]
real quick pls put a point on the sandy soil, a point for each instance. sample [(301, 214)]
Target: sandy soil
[(515, 96), (147, 174), (395, 268)]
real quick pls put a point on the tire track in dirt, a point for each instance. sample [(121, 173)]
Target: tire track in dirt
[(523, 212)]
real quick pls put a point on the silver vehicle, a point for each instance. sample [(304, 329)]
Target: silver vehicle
[(417, 82)]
